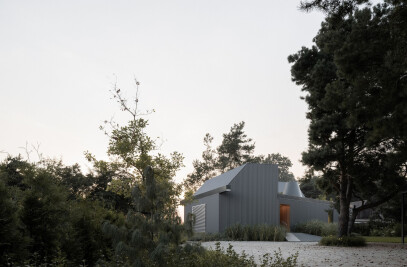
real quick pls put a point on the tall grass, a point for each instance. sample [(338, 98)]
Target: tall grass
[(316, 227), (259, 232), (238, 232)]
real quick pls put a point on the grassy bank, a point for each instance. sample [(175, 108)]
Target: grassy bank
[(384, 239)]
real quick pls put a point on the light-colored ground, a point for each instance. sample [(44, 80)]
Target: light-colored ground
[(311, 254)]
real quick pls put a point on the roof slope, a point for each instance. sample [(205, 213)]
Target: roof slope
[(222, 180)]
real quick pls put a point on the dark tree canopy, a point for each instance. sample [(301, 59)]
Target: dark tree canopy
[(284, 165), (236, 149), (355, 79)]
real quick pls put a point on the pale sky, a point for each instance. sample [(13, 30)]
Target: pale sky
[(202, 65)]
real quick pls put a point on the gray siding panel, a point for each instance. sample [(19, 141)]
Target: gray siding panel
[(305, 209), (253, 197), (211, 212)]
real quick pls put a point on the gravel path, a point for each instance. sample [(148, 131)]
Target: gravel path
[(311, 254)]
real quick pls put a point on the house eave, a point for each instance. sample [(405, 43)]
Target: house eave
[(218, 190)]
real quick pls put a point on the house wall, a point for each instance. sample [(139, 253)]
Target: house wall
[(252, 199), (306, 209), (211, 212)]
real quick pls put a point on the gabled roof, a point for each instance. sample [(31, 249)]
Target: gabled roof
[(219, 182)]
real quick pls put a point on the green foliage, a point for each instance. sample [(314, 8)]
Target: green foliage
[(309, 185), (384, 228), (205, 237), (355, 83), (284, 164), (131, 150), (44, 214), (13, 244), (382, 239), (204, 169), (344, 241), (45, 222), (238, 232), (196, 256), (260, 232), (151, 231), (236, 149), (316, 227), (143, 179)]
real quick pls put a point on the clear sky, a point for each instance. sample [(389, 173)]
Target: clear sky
[(203, 66)]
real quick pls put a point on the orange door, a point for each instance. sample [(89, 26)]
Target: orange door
[(285, 216)]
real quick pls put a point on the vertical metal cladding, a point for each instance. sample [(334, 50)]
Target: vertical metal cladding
[(306, 209), (253, 197), (250, 194), (211, 212)]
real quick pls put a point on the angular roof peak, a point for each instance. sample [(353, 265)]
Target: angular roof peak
[(221, 180)]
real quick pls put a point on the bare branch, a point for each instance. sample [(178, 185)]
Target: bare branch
[(26, 150), (37, 151)]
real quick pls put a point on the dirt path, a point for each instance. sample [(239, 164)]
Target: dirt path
[(311, 254)]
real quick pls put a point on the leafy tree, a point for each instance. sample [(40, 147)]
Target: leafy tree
[(44, 214), (13, 244), (236, 149), (130, 150), (284, 164), (309, 186), (144, 180), (151, 231), (355, 82), (45, 221), (204, 169)]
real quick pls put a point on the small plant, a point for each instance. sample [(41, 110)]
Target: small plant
[(278, 260), (345, 241)]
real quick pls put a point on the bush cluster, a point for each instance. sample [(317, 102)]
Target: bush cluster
[(260, 232), (316, 227), (238, 232), (378, 228), (196, 256), (345, 241)]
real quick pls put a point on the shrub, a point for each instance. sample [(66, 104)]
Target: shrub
[(316, 227), (390, 229), (345, 241)]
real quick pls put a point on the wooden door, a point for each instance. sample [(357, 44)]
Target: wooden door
[(285, 216)]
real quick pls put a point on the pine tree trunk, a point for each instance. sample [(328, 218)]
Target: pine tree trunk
[(344, 196), (343, 217)]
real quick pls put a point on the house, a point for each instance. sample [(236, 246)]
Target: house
[(251, 194)]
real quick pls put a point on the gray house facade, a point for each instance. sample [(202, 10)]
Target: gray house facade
[(251, 194)]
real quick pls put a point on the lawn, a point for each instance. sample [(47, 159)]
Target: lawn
[(384, 239)]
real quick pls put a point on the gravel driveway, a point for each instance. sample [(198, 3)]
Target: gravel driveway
[(311, 254)]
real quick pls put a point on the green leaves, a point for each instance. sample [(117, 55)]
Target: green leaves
[(353, 103), (236, 149)]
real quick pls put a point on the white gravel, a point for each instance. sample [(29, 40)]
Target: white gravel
[(311, 254)]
